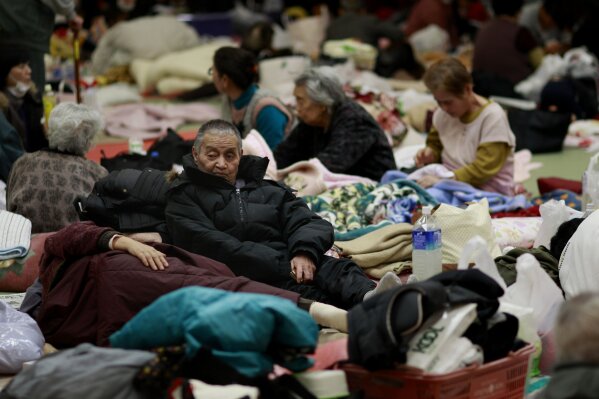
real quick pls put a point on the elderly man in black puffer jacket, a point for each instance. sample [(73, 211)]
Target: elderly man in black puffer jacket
[(221, 207)]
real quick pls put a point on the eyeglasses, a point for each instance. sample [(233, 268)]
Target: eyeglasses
[(210, 71)]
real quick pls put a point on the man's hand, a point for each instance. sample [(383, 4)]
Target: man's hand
[(427, 181), (303, 268), (149, 256), (424, 157)]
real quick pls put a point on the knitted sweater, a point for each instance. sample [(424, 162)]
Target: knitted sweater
[(43, 185)]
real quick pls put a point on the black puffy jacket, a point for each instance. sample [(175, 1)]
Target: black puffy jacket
[(255, 230)]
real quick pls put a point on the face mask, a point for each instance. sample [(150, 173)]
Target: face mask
[(20, 89)]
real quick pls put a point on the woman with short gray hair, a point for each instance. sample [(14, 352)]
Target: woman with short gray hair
[(42, 185), (72, 128), (334, 129)]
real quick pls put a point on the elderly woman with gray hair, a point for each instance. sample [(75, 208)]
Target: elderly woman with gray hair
[(576, 375), (42, 185), (334, 129)]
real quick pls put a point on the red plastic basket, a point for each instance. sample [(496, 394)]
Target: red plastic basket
[(501, 379)]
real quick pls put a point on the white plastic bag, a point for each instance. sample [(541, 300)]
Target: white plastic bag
[(476, 249), (590, 183), (20, 339), (534, 289), (554, 213), (428, 342)]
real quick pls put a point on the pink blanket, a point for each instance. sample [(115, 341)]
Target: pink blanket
[(307, 177), (146, 121)]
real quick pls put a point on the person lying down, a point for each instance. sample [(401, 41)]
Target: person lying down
[(94, 280)]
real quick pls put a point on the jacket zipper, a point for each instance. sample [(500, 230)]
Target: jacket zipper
[(238, 193)]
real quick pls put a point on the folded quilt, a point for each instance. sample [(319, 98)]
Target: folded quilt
[(15, 235), (386, 245), (357, 209)]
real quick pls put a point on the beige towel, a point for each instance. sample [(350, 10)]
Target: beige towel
[(395, 267), (387, 245)]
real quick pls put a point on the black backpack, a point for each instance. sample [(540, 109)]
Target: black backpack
[(539, 131), (165, 152)]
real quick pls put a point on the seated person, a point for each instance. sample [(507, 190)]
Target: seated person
[(23, 101), (577, 347), (505, 53), (11, 146), (93, 280), (234, 73), (221, 207), (43, 185), (432, 12), (470, 136), (549, 22), (334, 129), (354, 23)]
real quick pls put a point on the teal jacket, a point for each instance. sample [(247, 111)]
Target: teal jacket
[(11, 147), (250, 332)]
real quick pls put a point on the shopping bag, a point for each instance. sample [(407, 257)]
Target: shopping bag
[(20, 339), (476, 249), (534, 289)]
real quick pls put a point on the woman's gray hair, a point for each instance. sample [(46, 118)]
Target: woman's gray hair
[(576, 330), (72, 127), (217, 127), (322, 87)]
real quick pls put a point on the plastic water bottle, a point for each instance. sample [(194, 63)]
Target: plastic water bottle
[(49, 102), (426, 246)]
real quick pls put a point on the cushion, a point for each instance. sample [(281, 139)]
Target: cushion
[(19, 273), (458, 226)]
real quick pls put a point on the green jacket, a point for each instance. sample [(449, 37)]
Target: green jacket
[(506, 264)]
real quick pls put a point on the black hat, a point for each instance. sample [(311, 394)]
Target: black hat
[(10, 56)]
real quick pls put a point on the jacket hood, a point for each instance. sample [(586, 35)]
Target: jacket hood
[(251, 169)]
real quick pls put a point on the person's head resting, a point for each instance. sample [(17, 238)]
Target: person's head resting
[(509, 8), (15, 73), (576, 332), (233, 69), (72, 127), (317, 93), (451, 84), (217, 149)]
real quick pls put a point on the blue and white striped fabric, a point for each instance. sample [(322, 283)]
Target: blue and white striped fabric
[(15, 235)]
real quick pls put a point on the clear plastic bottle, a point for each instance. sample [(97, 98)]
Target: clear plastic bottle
[(49, 102), (426, 250)]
